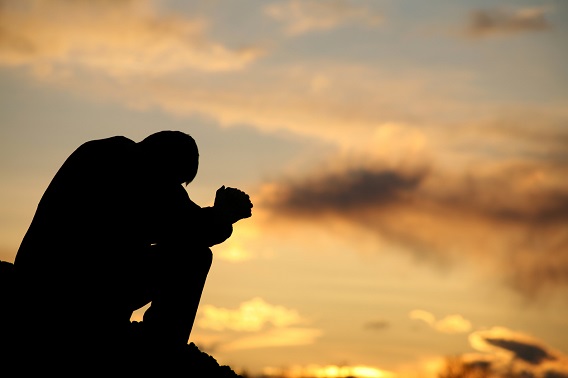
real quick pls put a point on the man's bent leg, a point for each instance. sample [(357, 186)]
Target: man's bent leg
[(175, 299)]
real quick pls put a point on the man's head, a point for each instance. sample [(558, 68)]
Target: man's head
[(173, 155)]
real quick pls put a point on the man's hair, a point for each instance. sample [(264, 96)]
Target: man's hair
[(175, 147)]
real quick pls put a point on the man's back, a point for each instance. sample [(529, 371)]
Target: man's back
[(79, 205), (61, 268), (96, 214)]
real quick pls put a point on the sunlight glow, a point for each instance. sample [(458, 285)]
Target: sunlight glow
[(233, 253), (328, 371), (251, 315), (450, 324)]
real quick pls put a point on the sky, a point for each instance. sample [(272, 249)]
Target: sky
[(407, 161)]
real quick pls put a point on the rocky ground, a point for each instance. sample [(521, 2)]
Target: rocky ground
[(201, 364)]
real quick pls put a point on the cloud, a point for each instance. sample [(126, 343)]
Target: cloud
[(304, 16), (494, 22), (449, 324), (276, 337), (377, 325), (526, 352), (453, 324), (425, 316), (500, 192), (508, 217), (136, 55), (286, 98), (250, 316), (516, 344), (513, 351), (121, 38), (265, 326), (139, 56), (357, 189)]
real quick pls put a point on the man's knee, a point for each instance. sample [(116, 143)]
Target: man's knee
[(194, 262), (199, 261), (207, 258)]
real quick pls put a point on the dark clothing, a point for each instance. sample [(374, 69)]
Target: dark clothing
[(107, 239)]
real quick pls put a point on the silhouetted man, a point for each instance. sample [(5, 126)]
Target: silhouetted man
[(114, 231)]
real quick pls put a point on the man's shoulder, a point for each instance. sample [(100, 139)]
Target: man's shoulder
[(117, 141), (108, 146), (97, 152)]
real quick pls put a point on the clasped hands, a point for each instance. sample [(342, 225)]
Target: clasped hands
[(234, 204)]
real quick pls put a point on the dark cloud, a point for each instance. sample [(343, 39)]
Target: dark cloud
[(377, 325), (533, 354), (510, 218), (459, 366), (490, 22), (526, 357), (554, 210), (347, 191), (495, 196)]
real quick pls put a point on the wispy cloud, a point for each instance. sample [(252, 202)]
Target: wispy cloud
[(254, 324), (507, 217), (276, 337), (136, 55), (495, 22), (304, 16), (449, 324), (252, 315), (119, 38), (283, 98), (515, 351)]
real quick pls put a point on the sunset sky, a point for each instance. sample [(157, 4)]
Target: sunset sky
[(407, 161)]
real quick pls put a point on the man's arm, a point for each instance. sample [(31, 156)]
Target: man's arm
[(183, 268), (233, 203), (214, 224)]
